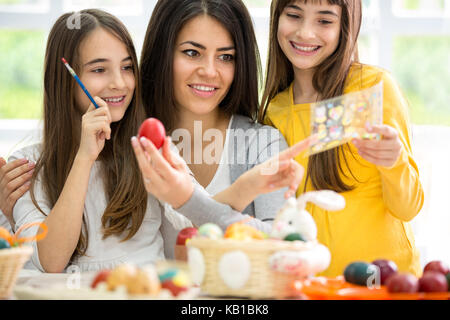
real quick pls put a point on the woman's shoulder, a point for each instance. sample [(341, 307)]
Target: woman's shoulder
[(259, 135), (246, 123), (31, 152), (363, 76)]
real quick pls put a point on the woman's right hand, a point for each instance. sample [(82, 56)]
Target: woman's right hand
[(14, 182), (95, 128)]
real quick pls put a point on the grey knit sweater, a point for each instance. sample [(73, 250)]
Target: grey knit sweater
[(250, 144)]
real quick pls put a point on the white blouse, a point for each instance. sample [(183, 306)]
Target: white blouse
[(222, 179), (145, 247)]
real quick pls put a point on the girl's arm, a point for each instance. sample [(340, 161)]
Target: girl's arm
[(65, 219), (402, 189)]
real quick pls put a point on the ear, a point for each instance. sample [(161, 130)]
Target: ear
[(326, 199)]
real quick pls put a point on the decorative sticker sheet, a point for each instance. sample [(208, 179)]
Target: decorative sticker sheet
[(337, 121)]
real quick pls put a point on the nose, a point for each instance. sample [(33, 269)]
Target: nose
[(305, 32), (208, 68), (117, 81)]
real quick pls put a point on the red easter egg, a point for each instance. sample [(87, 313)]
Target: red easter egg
[(437, 266), (173, 288), (153, 129), (433, 281), (102, 276), (185, 234)]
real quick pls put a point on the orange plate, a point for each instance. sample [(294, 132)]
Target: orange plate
[(322, 288)]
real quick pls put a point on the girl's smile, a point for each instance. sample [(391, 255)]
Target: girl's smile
[(305, 49), (116, 101)]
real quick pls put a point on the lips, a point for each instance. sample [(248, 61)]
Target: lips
[(305, 48), (203, 90), (116, 101)]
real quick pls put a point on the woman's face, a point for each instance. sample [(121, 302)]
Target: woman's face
[(203, 65), (107, 71), (309, 33)]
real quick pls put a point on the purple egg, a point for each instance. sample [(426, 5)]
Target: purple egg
[(387, 269)]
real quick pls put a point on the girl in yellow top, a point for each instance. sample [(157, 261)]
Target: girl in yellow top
[(313, 56)]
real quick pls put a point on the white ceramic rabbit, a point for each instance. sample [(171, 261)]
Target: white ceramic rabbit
[(293, 218)]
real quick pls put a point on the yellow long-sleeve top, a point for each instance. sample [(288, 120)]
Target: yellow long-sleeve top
[(374, 223)]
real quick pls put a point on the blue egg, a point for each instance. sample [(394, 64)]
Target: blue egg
[(361, 273), (4, 244)]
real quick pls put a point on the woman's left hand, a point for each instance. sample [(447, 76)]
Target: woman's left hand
[(165, 175), (384, 152)]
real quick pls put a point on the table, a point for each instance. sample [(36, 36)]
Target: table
[(34, 285)]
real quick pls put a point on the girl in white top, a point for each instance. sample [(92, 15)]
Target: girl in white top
[(87, 187)]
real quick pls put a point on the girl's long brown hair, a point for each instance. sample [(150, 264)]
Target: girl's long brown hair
[(167, 20), (125, 192), (329, 81)]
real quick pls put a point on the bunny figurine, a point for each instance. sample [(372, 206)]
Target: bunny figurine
[(293, 218)]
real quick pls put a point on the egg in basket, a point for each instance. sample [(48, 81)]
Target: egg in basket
[(247, 263)]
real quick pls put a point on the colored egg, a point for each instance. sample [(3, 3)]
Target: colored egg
[(361, 273), (4, 233), (168, 274), (173, 288), (153, 129), (294, 237), (241, 231), (181, 279), (211, 231), (4, 244)]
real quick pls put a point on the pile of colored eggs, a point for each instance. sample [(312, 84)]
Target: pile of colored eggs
[(239, 231), (435, 278)]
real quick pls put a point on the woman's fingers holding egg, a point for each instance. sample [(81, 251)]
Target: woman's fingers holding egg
[(175, 160), (160, 164), (148, 173)]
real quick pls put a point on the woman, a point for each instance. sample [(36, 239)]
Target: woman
[(200, 71)]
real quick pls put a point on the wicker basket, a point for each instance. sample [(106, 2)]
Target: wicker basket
[(262, 283), (11, 262)]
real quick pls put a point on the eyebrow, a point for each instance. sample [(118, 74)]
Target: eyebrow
[(293, 6), (100, 60), (198, 45)]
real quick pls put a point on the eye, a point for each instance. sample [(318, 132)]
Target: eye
[(128, 68), (191, 53), (98, 70), (226, 57), (325, 22), (293, 16)]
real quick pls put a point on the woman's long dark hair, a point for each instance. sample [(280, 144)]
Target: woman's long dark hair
[(168, 18), (329, 81), (125, 192)]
